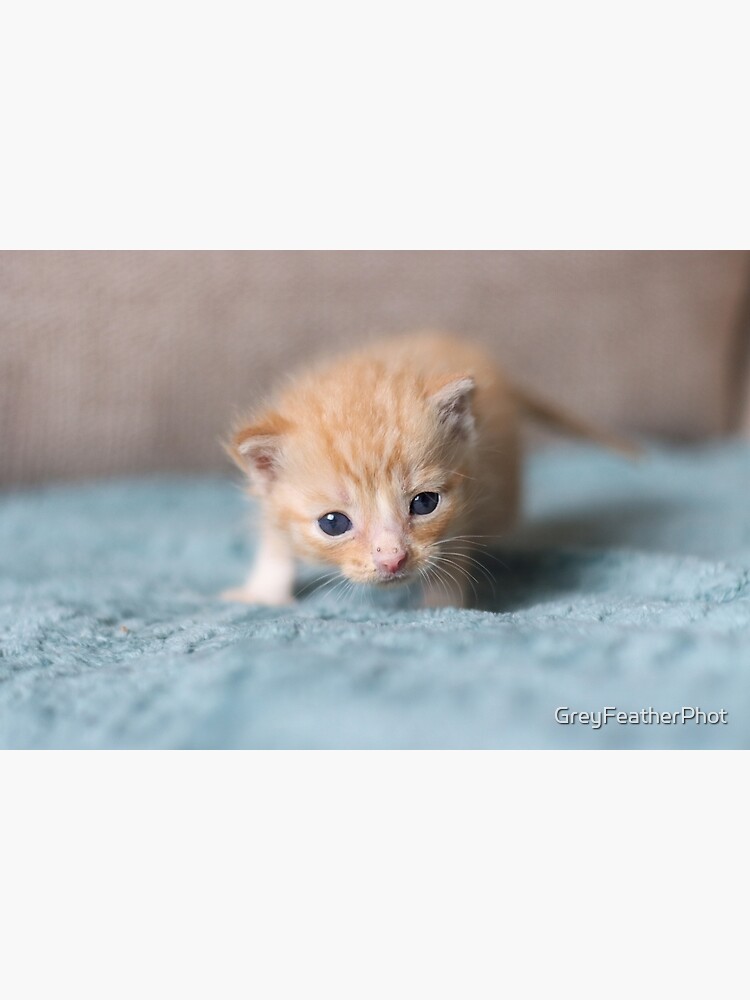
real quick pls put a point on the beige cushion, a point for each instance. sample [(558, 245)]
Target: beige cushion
[(135, 361)]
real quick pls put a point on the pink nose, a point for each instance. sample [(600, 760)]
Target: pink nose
[(389, 562)]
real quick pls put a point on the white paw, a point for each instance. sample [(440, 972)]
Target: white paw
[(254, 595)]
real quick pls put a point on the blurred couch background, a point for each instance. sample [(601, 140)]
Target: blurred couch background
[(128, 362)]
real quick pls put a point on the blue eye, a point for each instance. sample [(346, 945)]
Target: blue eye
[(334, 523), (424, 503)]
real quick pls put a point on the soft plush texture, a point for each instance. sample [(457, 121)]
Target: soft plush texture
[(628, 586)]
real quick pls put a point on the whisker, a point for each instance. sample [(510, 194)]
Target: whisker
[(469, 540), (463, 571), (479, 565), (471, 577), (339, 590), (317, 583), (457, 584), (436, 577)]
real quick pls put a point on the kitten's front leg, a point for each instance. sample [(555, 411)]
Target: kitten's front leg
[(271, 578)]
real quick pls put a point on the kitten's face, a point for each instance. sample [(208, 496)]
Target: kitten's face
[(378, 526), (372, 490)]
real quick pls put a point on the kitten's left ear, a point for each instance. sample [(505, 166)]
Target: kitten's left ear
[(452, 400)]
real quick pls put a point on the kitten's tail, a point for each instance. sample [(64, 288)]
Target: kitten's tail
[(567, 423)]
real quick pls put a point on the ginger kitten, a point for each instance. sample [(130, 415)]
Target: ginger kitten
[(384, 464)]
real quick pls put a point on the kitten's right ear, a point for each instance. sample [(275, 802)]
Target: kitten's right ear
[(257, 449)]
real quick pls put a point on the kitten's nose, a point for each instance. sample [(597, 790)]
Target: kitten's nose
[(389, 560)]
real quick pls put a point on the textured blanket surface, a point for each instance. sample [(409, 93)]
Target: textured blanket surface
[(626, 587)]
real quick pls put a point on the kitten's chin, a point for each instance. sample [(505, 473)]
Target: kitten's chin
[(372, 578), (393, 580), (390, 581)]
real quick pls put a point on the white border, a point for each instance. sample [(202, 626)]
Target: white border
[(371, 875), (296, 126)]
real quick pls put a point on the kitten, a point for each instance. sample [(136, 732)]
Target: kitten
[(384, 464)]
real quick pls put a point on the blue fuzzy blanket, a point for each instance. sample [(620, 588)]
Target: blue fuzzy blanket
[(627, 587)]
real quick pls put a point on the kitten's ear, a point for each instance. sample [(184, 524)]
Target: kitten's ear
[(257, 448), (452, 400)]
